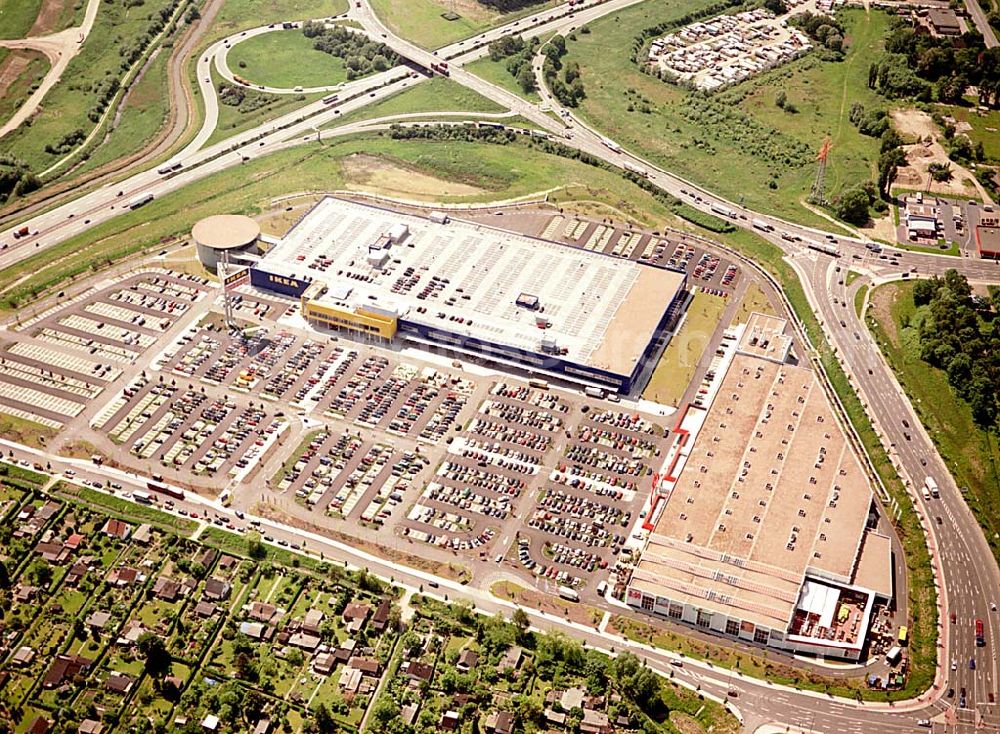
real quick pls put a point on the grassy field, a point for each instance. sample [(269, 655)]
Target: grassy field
[(24, 431), (496, 172), (859, 299), (285, 59), (421, 21), (126, 508), (754, 300), (740, 129), (984, 124), (238, 15), (21, 87), (433, 95), (233, 121), (17, 17), (68, 103), (674, 370), (142, 115), (496, 73), (971, 454)]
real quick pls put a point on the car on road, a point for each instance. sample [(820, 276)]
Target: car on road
[(924, 722), (972, 663)]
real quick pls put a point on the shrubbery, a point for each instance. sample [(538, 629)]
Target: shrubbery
[(361, 56)]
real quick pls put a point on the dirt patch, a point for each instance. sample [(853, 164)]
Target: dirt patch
[(882, 229), (50, 17), (452, 571), (914, 174), (914, 123), (379, 176), (880, 303), (286, 214), (11, 68), (685, 724), (544, 603), (471, 9)]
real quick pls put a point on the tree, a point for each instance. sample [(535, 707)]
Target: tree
[(780, 99), (40, 573), (853, 206), (520, 620), (526, 78), (323, 720), (923, 291), (156, 657)]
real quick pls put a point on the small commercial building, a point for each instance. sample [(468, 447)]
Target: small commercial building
[(232, 233), (988, 238), (475, 291)]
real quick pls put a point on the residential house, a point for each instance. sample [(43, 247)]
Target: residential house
[(205, 609), (39, 726), (449, 720), (56, 553), (216, 589), (24, 593), (355, 615), (77, 571), (118, 683), (467, 660), (417, 671), (556, 718), (63, 668), (511, 659), (324, 663), (97, 620), (595, 722), (345, 650), (123, 577), (380, 619), (210, 723), (166, 589), (130, 634), (24, 656), (74, 541), (367, 666), (253, 630), (312, 621), (143, 534), (263, 727), (350, 680), (261, 612), (304, 641), (117, 529), (227, 562), (207, 558), (90, 726), (499, 722), (409, 713)]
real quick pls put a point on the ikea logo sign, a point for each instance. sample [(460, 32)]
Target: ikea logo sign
[(282, 280)]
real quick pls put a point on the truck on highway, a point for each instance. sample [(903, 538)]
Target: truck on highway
[(826, 249), (568, 594), (169, 168), (761, 225), (140, 200), (22, 232), (143, 498), (441, 67), (925, 492), (723, 211), (980, 634), (932, 487), (637, 170), (593, 392), (611, 144), (331, 99)]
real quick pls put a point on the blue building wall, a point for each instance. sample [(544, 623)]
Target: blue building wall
[(284, 284)]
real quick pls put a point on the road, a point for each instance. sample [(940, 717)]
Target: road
[(982, 23), (60, 48), (965, 568)]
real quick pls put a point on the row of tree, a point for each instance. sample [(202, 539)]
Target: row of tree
[(960, 334)]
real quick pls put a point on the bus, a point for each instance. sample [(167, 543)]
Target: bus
[(569, 594), (143, 498), (331, 99), (932, 486), (602, 588), (980, 634), (826, 249), (539, 384), (593, 392), (161, 488)]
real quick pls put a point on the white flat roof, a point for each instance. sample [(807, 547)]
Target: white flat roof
[(465, 277)]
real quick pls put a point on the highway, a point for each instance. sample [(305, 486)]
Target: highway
[(965, 567)]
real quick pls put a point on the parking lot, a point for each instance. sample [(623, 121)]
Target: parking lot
[(660, 248), (64, 358)]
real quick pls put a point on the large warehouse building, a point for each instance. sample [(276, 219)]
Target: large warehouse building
[(763, 532), (475, 290)]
